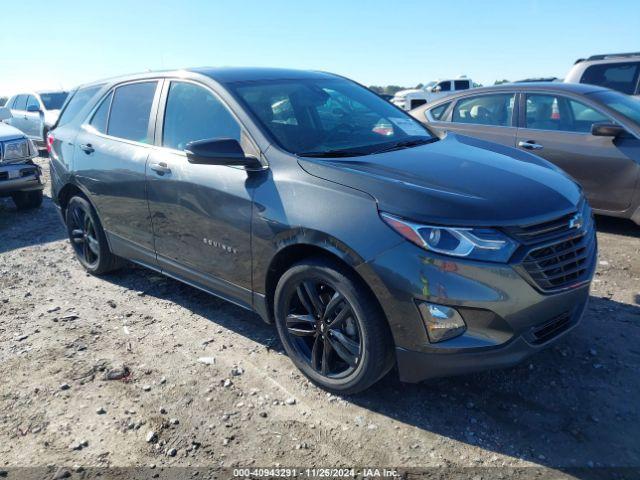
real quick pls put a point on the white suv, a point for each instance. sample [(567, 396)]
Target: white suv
[(617, 71), (410, 99)]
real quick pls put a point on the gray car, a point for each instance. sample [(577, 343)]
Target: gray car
[(308, 199), (590, 132), (20, 178), (35, 113)]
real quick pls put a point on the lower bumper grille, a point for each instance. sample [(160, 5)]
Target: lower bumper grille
[(554, 327)]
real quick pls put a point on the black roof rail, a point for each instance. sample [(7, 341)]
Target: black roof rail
[(537, 79), (609, 55)]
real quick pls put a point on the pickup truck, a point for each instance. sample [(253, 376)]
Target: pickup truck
[(413, 98), (20, 178)]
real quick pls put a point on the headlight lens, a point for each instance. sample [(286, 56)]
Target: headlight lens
[(16, 149), (476, 243)]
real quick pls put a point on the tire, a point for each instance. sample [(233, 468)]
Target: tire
[(88, 239), (306, 336), (27, 200)]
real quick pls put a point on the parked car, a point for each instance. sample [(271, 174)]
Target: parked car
[(618, 71), (20, 178), (590, 132), (310, 200), (413, 98), (35, 113)]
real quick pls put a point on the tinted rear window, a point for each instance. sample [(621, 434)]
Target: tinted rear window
[(53, 100), (77, 101), (616, 76), (130, 111)]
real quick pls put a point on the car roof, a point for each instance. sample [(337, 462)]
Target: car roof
[(220, 74)]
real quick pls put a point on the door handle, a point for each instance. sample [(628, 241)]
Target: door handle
[(87, 148), (530, 145), (160, 168)]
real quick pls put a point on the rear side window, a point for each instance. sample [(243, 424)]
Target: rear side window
[(616, 76), (131, 110), (194, 113), (485, 110), (551, 112), (77, 102), (99, 120), (445, 86), (20, 103), (461, 84), (436, 113)]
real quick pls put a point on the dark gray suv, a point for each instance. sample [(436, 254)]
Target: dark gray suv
[(308, 199)]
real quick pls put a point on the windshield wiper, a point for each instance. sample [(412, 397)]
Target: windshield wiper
[(332, 154), (407, 144)]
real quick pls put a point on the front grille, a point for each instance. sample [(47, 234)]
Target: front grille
[(548, 330), (561, 252)]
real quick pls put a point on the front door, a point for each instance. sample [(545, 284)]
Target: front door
[(201, 214), (486, 116), (34, 118), (558, 128), (110, 161)]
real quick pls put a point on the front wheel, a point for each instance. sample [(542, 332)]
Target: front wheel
[(88, 239), (27, 200), (331, 327)]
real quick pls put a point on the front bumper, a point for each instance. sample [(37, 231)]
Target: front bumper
[(501, 309), (20, 177)]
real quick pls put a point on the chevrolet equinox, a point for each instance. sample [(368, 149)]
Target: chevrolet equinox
[(308, 199)]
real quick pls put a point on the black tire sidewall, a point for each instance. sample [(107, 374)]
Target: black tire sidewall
[(102, 265), (368, 370)]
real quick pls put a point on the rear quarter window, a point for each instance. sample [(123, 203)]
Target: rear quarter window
[(622, 77), (78, 100)]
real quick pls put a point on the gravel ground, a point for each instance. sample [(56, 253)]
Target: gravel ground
[(134, 369)]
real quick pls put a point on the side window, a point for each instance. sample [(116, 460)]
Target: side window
[(617, 76), (100, 117), (437, 112), (461, 84), (445, 86), (194, 113), (77, 101), (33, 102), (485, 110), (20, 103), (552, 112), (131, 111)]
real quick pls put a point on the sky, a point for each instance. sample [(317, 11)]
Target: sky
[(68, 42)]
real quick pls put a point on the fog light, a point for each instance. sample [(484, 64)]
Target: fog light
[(442, 322)]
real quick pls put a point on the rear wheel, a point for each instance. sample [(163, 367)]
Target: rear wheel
[(27, 200), (331, 327), (88, 239)]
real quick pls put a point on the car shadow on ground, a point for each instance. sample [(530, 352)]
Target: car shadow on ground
[(568, 406), (44, 225), (618, 226)]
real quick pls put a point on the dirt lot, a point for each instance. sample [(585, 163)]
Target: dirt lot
[(62, 331)]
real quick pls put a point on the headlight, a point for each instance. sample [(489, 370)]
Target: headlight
[(475, 243), (16, 149)]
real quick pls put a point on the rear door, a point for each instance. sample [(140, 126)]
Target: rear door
[(18, 112), (110, 161), (488, 116), (201, 213), (558, 128)]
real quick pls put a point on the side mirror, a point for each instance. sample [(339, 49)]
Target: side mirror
[(33, 108), (5, 114), (436, 89), (220, 151), (606, 130)]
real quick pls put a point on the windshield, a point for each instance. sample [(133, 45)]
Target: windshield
[(623, 104), (54, 100), (328, 117)]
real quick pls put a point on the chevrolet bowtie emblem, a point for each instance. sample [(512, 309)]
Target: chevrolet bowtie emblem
[(577, 221)]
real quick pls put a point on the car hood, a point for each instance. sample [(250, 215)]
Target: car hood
[(404, 93), (7, 132), (456, 181)]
